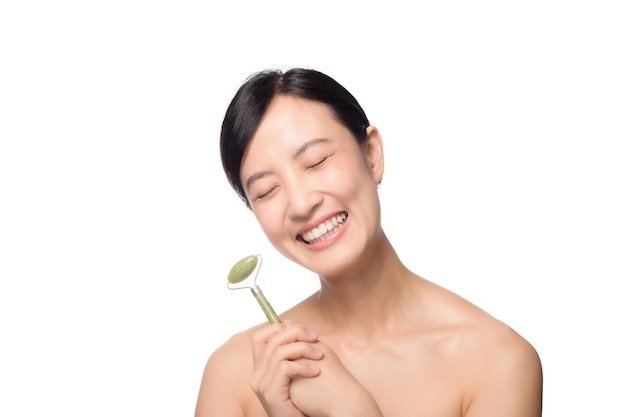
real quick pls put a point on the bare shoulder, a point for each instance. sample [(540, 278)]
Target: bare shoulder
[(505, 376), (503, 373), (495, 346), (225, 388), (481, 333), (498, 371)]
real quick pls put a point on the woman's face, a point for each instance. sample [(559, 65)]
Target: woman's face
[(312, 187)]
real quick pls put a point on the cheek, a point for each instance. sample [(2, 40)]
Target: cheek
[(334, 178), (269, 222), (347, 180)]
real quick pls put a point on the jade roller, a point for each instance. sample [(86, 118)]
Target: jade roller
[(238, 279)]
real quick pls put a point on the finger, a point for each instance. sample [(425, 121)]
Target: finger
[(295, 332), (272, 360), (268, 339), (279, 377), (297, 350), (284, 345), (266, 332), (276, 378), (261, 337), (299, 368)]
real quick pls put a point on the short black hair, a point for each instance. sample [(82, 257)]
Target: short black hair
[(252, 99)]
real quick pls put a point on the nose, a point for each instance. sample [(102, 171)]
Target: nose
[(303, 199)]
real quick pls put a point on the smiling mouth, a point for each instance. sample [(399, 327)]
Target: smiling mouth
[(324, 230)]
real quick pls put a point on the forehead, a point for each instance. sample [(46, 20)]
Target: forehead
[(289, 122), (292, 115)]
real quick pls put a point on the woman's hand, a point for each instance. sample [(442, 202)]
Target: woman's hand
[(282, 352), (333, 391)]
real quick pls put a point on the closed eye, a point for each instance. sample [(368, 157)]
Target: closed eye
[(265, 194), (319, 163)]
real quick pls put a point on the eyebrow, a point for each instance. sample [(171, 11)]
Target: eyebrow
[(297, 154), (256, 176), (313, 142)]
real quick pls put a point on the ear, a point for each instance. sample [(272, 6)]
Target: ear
[(373, 151)]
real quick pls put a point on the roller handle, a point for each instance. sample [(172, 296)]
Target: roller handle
[(272, 317)]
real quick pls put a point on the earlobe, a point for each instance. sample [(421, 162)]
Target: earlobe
[(373, 148)]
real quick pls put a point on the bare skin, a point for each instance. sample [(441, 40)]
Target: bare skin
[(376, 339)]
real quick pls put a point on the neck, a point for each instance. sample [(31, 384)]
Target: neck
[(368, 298)]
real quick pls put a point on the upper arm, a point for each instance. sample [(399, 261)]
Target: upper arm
[(221, 390), (511, 381)]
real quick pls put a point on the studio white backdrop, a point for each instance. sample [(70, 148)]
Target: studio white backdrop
[(504, 128)]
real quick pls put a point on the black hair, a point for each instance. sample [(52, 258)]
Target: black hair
[(252, 99)]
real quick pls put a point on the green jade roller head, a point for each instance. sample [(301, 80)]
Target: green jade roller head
[(238, 279)]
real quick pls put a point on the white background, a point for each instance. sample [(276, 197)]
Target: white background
[(503, 124)]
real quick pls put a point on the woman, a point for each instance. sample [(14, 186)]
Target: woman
[(376, 339)]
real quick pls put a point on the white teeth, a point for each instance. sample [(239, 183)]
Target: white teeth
[(320, 232)]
